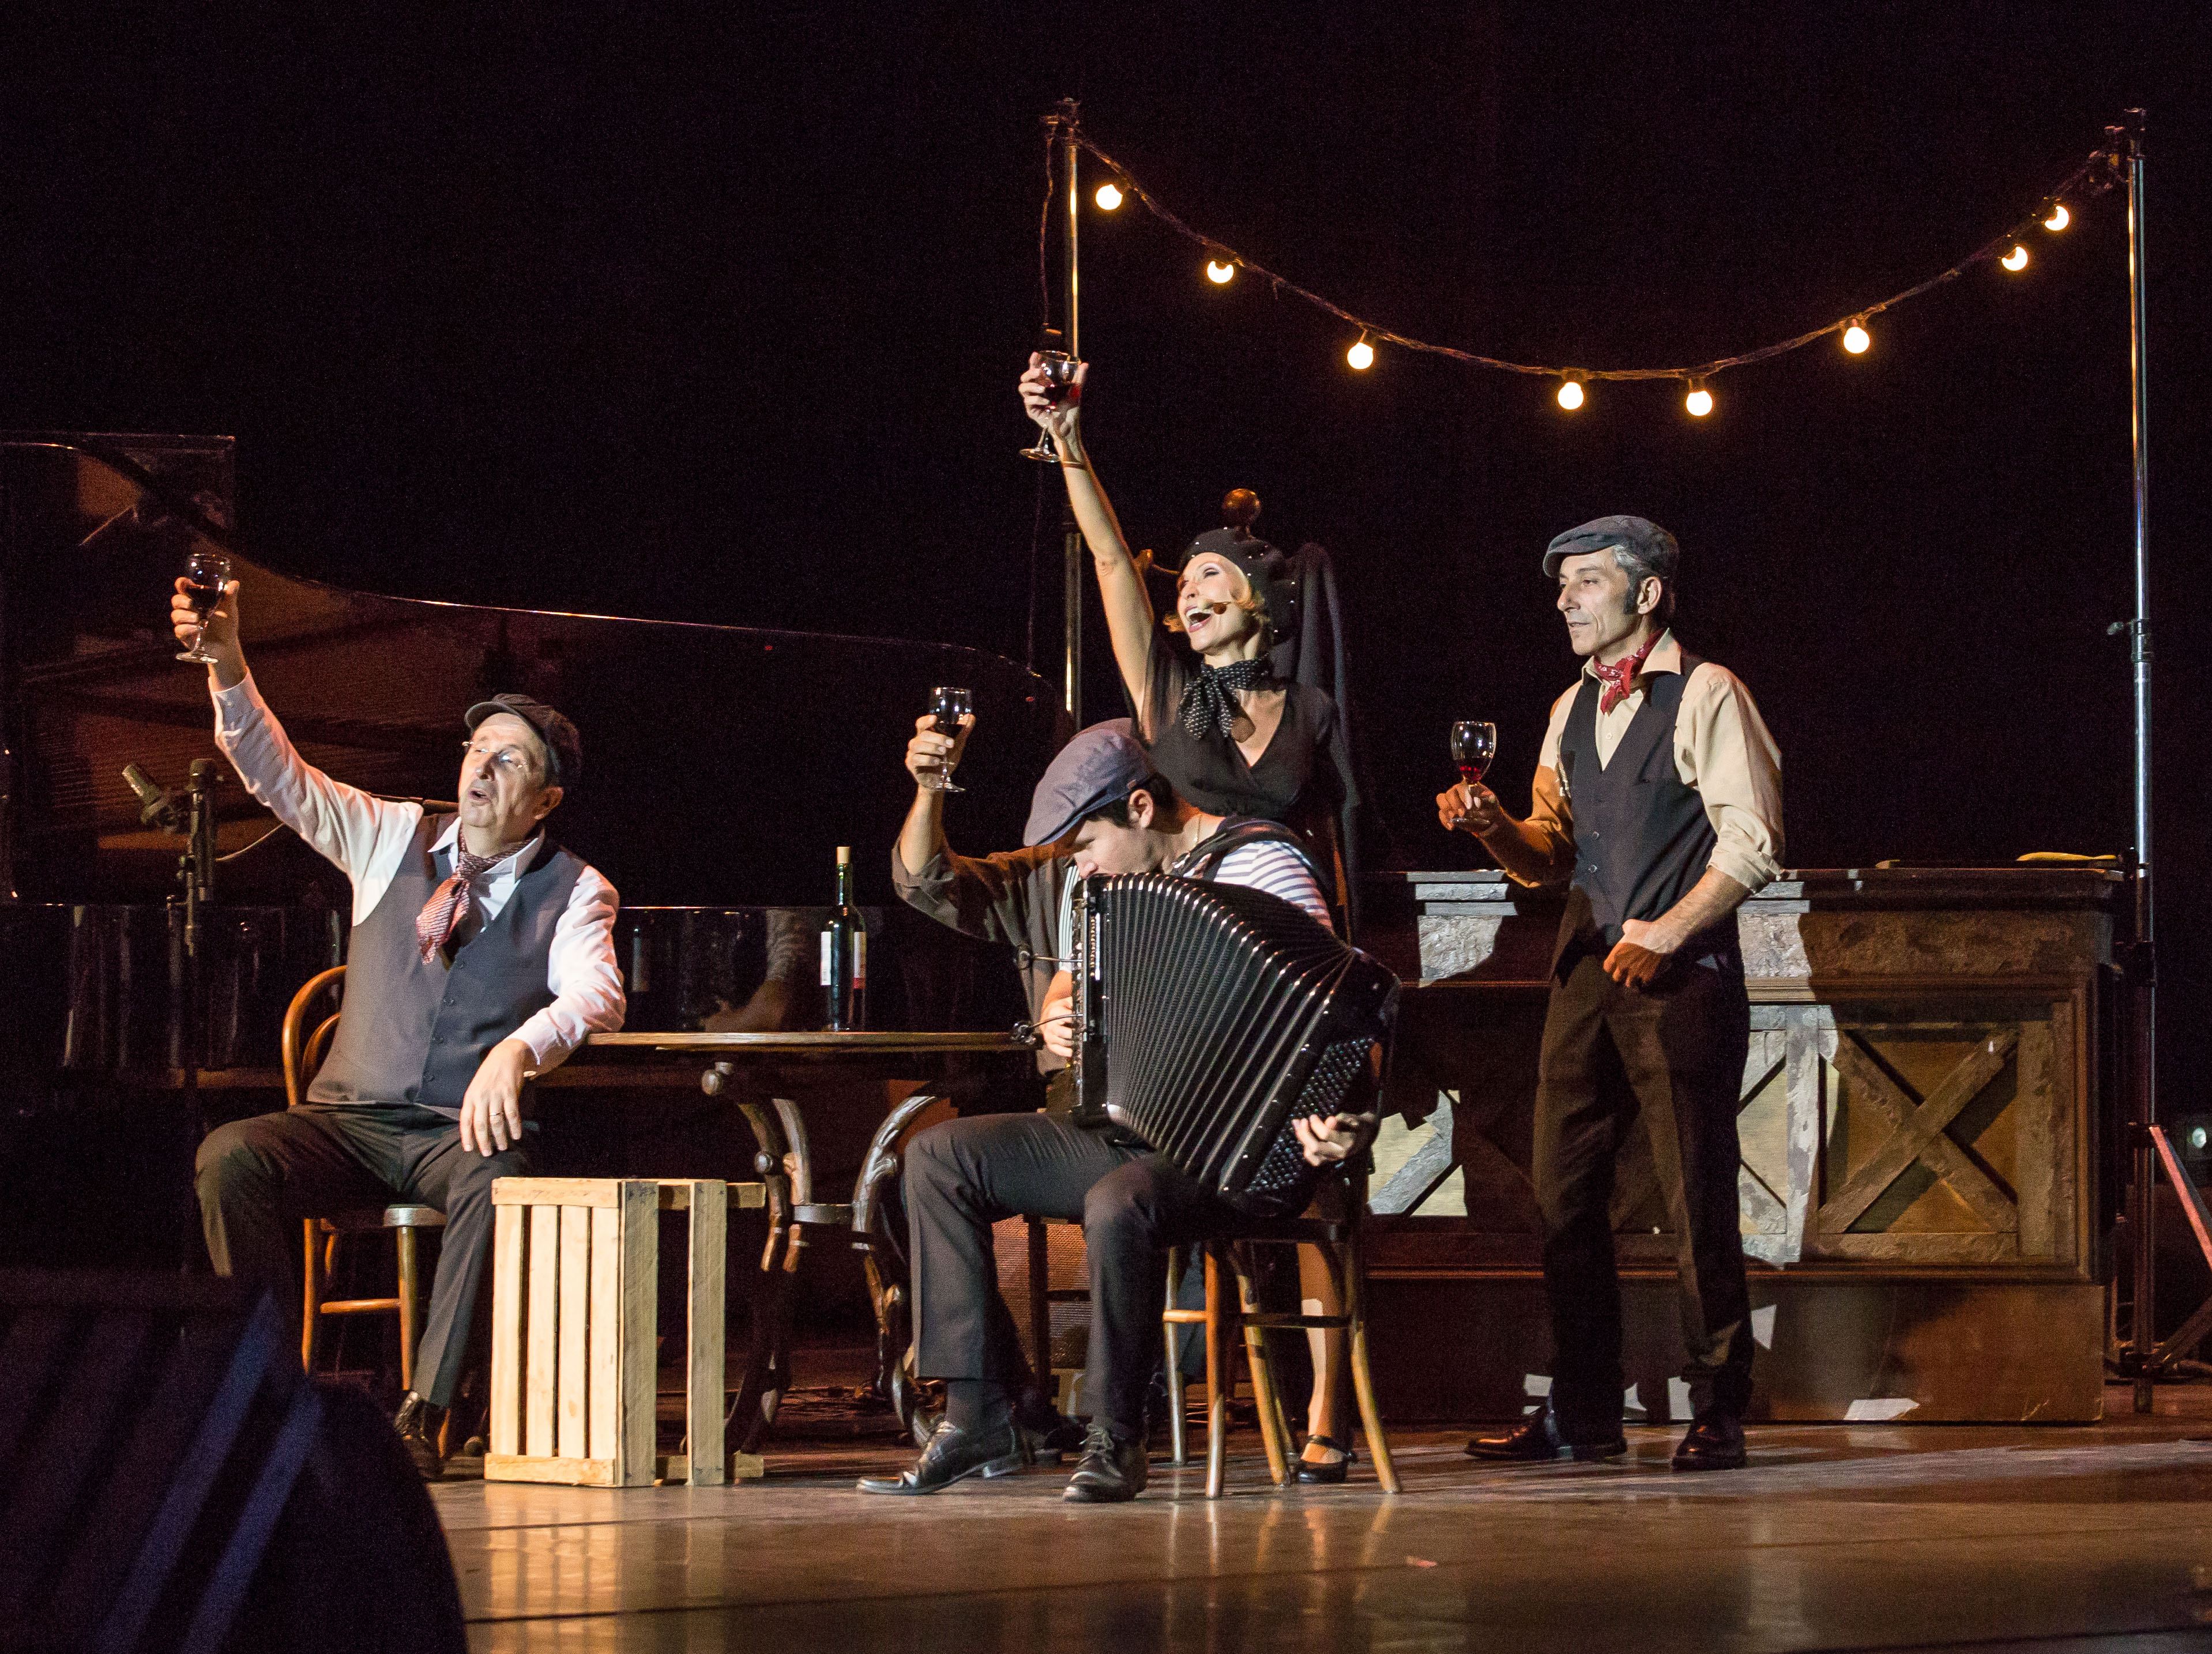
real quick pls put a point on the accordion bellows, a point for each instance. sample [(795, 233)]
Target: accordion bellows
[(1212, 1016)]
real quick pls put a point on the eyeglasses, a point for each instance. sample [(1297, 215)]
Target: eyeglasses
[(511, 760)]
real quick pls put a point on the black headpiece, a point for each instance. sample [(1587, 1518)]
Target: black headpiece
[(1274, 578)]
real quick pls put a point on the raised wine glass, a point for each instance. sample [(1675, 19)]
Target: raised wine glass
[(1058, 375), (205, 574), (948, 705), (1472, 746)]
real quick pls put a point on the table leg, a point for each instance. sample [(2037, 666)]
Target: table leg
[(880, 1248)]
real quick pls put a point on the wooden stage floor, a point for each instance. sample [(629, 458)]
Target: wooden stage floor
[(2056, 1539)]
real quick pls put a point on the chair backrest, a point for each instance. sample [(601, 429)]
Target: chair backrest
[(302, 1057)]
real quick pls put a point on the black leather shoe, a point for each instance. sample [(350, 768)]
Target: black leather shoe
[(1111, 1470), (953, 1455), (1535, 1440), (1714, 1443), (1049, 1438), (417, 1425), (1326, 1471)]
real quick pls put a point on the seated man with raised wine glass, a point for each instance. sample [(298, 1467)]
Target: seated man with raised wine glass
[(482, 954), (1103, 800)]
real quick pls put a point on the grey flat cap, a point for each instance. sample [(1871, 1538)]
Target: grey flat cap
[(1639, 534), (1103, 763)]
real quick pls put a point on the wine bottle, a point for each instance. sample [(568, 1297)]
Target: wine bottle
[(845, 956)]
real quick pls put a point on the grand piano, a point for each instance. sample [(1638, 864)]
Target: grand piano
[(724, 765)]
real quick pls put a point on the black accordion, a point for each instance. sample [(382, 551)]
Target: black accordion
[(1209, 1016)]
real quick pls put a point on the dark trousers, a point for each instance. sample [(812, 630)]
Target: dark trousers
[(1675, 1054), (965, 1175), (258, 1178)]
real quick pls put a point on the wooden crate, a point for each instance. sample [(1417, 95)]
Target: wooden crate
[(576, 1274)]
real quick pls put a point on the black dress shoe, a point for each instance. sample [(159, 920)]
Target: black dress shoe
[(953, 1455), (1536, 1440), (1110, 1472), (1047, 1440), (417, 1426), (1326, 1471), (1714, 1443)]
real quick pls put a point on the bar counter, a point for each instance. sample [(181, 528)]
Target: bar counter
[(1920, 1123)]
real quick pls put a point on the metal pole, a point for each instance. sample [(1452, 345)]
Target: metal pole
[(2142, 976), (1071, 536)]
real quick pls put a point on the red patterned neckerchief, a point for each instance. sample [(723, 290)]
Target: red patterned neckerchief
[(442, 915), (1620, 678)]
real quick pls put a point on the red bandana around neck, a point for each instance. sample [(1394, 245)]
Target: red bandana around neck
[(1620, 678), (442, 915)]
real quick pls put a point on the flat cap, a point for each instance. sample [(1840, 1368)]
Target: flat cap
[(1102, 765), (1642, 536), (564, 750)]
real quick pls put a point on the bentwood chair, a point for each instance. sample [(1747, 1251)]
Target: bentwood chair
[(1341, 1250), (302, 1058)]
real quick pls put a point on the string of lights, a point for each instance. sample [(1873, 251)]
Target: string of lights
[(2104, 167)]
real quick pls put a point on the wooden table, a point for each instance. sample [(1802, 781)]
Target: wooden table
[(751, 1070)]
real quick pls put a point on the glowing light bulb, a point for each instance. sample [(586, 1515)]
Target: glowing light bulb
[(1570, 395), (1856, 338), (1218, 274), (2059, 219), (1361, 355), (1699, 402), (2016, 259), (1110, 196)]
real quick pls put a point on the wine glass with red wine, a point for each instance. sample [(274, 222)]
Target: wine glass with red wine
[(1059, 376), (948, 705), (205, 574), (1472, 746)]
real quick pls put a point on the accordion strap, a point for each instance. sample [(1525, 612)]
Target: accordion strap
[(1204, 860)]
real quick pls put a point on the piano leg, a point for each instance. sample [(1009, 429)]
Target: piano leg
[(767, 1366)]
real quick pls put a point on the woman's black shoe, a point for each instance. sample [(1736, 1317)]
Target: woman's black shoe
[(1329, 1471)]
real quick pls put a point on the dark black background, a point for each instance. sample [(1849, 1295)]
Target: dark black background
[(713, 311)]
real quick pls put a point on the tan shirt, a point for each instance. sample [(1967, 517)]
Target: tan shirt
[(1721, 747)]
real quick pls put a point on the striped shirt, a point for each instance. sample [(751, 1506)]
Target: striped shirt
[(1272, 867)]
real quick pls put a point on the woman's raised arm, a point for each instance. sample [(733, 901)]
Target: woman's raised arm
[(1121, 584)]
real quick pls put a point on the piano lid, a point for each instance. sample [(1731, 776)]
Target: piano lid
[(723, 764)]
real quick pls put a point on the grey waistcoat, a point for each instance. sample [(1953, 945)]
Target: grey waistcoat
[(414, 1032), (1642, 837)]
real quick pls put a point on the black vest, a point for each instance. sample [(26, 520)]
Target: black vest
[(414, 1031), (1642, 837)]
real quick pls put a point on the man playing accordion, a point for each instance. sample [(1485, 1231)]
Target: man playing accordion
[(1101, 796)]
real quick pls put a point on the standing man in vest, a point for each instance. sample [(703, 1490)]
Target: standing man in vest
[(1658, 800), (482, 954)]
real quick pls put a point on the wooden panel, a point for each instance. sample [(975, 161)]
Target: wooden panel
[(553, 1191), (538, 1372), (1917, 1131), (605, 1378), (507, 1237), (639, 1210), (570, 1398), (1920, 1350), (573, 1473), (704, 1398), (2035, 1169)]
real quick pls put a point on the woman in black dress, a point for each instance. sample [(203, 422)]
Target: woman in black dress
[(1221, 721), (1233, 735)]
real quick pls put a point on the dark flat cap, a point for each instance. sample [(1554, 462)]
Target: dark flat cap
[(1102, 765), (1643, 537), (564, 752)]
